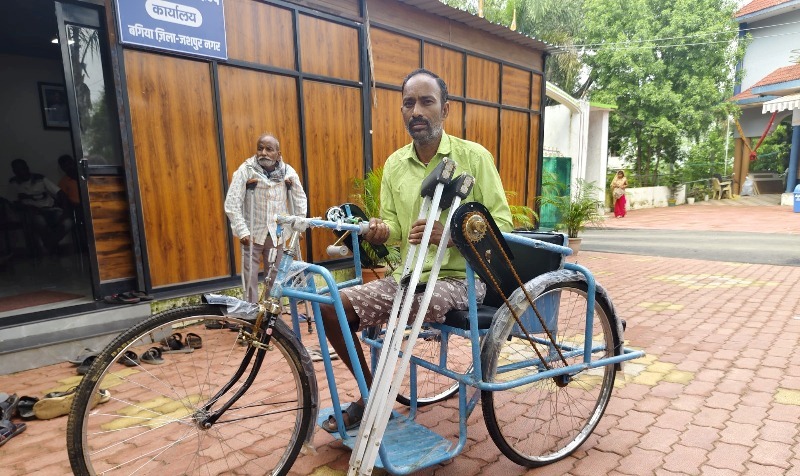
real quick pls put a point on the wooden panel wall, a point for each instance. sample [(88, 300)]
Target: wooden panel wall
[(514, 152), (178, 165), (260, 33), (516, 87), (112, 228), (334, 142), (388, 130), (533, 160), (483, 79), (252, 103), (454, 124), (329, 49), (536, 93), (447, 63), (393, 55), (483, 127)]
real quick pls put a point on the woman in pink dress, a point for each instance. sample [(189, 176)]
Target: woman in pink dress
[(618, 186)]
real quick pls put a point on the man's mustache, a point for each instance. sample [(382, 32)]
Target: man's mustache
[(414, 122)]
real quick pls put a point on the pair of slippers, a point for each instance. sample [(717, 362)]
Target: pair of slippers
[(9, 407), (151, 356), (130, 297), (222, 324), (175, 344), (56, 404)]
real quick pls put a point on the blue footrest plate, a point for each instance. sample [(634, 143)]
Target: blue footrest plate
[(410, 445)]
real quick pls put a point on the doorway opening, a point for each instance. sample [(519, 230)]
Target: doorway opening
[(44, 255)]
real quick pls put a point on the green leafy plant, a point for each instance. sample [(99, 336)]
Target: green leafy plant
[(697, 192), (367, 195), (575, 210), (522, 217)]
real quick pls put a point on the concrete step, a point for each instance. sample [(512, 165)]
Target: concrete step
[(52, 341)]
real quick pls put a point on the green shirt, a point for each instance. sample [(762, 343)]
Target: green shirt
[(400, 196)]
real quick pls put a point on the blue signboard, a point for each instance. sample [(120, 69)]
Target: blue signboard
[(195, 27)]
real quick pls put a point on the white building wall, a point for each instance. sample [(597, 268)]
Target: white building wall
[(771, 47), (557, 129), (597, 150)]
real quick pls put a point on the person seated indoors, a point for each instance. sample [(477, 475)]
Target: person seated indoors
[(43, 203)]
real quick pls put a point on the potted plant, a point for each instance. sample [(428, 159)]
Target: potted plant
[(674, 189), (575, 210), (522, 217), (697, 192), (367, 195)]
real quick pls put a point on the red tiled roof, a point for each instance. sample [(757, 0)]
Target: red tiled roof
[(758, 5), (780, 75), (746, 94)]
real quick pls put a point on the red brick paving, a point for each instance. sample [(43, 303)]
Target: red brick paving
[(740, 341)]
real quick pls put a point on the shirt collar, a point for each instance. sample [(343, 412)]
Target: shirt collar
[(442, 151)]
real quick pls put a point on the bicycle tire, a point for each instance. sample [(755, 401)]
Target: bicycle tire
[(151, 424), (545, 421)]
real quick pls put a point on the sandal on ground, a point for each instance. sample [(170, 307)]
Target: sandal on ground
[(8, 405), (174, 345), (194, 341), (87, 352), (351, 415), (152, 356), (84, 366), (129, 359), (142, 296), (9, 430), (57, 404), (25, 407), (121, 299)]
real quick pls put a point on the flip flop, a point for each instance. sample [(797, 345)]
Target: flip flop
[(8, 405), (129, 359), (152, 356), (354, 412), (194, 341), (57, 404), (84, 366), (138, 295), (174, 345), (121, 299), (25, 407), (80, 358), (9, 430)]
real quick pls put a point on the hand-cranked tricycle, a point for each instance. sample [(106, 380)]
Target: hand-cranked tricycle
[(235, 391)]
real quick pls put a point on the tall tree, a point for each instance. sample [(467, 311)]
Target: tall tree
[(667, 67)]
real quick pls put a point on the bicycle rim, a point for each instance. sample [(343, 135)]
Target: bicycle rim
[(151, 424), (544, 421)]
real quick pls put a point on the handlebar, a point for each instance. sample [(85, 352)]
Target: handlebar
[(301, 224)]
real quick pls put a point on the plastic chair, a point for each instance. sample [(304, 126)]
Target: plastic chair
[(719, 189)]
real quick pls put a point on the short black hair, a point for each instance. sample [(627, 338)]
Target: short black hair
[(439, 81), (18, 162), (66, 158)]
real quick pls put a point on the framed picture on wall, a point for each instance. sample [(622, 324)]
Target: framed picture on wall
[(53, 99)]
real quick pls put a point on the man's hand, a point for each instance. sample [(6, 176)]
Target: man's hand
[(378, 232), (245, 240), (418, 228)]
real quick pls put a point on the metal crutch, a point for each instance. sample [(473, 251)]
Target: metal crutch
[(432, 189), (250, 186), (456, 191)]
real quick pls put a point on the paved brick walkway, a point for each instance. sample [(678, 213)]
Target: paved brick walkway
[(717, 394)]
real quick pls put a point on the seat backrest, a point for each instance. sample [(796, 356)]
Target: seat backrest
[(715, 183), (529, 262)]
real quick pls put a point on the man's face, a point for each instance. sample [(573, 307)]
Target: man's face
[(423, 111), (268, 152)]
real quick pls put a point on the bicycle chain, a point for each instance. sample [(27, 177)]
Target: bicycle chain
[(474, 228)]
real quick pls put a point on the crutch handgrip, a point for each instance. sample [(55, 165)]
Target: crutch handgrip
[(334, 250), (443, 173), (459, 187)]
